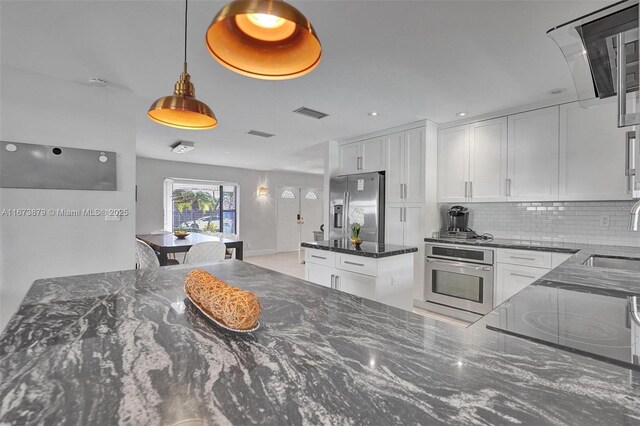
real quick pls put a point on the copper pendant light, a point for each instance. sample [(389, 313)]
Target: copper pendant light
[(182, 109), (266, 39)]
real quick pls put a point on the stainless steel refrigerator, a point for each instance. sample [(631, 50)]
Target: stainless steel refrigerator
[(364, 191)]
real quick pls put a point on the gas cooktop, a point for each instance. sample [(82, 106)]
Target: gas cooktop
[(599, 323)]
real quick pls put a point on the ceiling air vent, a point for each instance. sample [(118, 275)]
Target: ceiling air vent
[(311, 113), (259, 133)]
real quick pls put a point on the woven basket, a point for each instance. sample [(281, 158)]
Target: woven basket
[(235, 308)]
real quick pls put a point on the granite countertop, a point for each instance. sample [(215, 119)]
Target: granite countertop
[(513, 244), (123, 348), (365, 249)]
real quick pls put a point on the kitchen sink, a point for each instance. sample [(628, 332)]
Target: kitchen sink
[(628, 264)]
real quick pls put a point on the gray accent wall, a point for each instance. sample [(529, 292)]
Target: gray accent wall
[(257, 219), (571, 221)]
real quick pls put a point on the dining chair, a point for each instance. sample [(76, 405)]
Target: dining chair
[(208, 251), (146, 257), (230, 251)]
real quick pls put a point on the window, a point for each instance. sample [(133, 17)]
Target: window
[(311, 196), (201, 206), (287, 193)]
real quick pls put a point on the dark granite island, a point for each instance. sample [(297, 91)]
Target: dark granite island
[(122, 348)]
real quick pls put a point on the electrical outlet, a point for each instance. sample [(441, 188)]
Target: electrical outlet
[(604, 221)]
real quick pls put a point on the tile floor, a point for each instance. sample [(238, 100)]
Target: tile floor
[(286, 263)]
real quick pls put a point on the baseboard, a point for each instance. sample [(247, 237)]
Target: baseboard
[(258, 252)]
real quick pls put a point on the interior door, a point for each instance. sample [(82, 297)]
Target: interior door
[(287, 228), (311, 212)]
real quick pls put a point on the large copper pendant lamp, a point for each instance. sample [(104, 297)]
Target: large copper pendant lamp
[(182, 109), (267, 39)]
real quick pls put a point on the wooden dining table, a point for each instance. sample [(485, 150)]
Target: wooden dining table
[(169, 243)]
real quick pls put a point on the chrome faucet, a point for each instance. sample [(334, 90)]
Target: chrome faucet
[(634, 217)]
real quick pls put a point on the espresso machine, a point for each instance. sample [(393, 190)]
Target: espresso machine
[(458, 224)]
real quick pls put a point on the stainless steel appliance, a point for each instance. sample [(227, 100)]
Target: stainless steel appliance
[(458, 281), (458, 219), (364, 191), (591, 45)]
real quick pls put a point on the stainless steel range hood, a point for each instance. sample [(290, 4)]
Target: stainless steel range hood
[(590, 45)]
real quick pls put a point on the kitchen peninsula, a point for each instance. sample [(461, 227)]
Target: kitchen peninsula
[(125, 348)]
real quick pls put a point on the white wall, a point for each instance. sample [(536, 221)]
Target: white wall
[(257, 215), (50, 111)]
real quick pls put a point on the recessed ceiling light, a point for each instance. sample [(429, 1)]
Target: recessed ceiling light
[(182, 147), (556, 91), (461, 114), (373, 114)]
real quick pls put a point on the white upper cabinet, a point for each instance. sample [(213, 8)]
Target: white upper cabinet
[(592, 154), (453, 164), (414, 161), (488, 160), (362, 157), (395, 168), (373, 155), (532, 165), (405, 170), (349, 158)]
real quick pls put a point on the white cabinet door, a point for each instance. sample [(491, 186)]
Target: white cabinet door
[(372, 155), (592, 154), (453, 164), (414, 161), (349, 158), (356, 284), (413, 225), (395, 172), (394, 227), (510, 279), (488, 160), (533, 155), (318, 274)]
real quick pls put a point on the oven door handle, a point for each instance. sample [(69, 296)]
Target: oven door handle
[(632, 303), (459, 264)]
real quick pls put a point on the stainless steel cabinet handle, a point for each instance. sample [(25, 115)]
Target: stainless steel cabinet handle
[(400, 214), (332, 279), (405, 213), (337, 283), (630, 161), (466, 189), (508, 187), (632, 303), (522, 275), (353, 263), (522, 258), (470, 189), (318, 257)]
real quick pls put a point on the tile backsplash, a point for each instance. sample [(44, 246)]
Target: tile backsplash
[(571, 221)]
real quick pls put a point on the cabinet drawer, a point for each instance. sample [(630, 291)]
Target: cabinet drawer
[(537, 259), (320, 257), (357, 264)]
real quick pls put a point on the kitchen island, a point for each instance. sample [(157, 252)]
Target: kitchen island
[(124, 348), (380, 272)]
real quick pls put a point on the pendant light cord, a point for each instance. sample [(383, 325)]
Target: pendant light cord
[(186, 10)]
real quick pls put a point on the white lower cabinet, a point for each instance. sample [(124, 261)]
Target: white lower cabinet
[(318, 274), (387, 280), (510, 279), (357, 284)]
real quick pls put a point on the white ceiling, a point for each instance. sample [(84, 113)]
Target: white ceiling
[(408, 60)]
